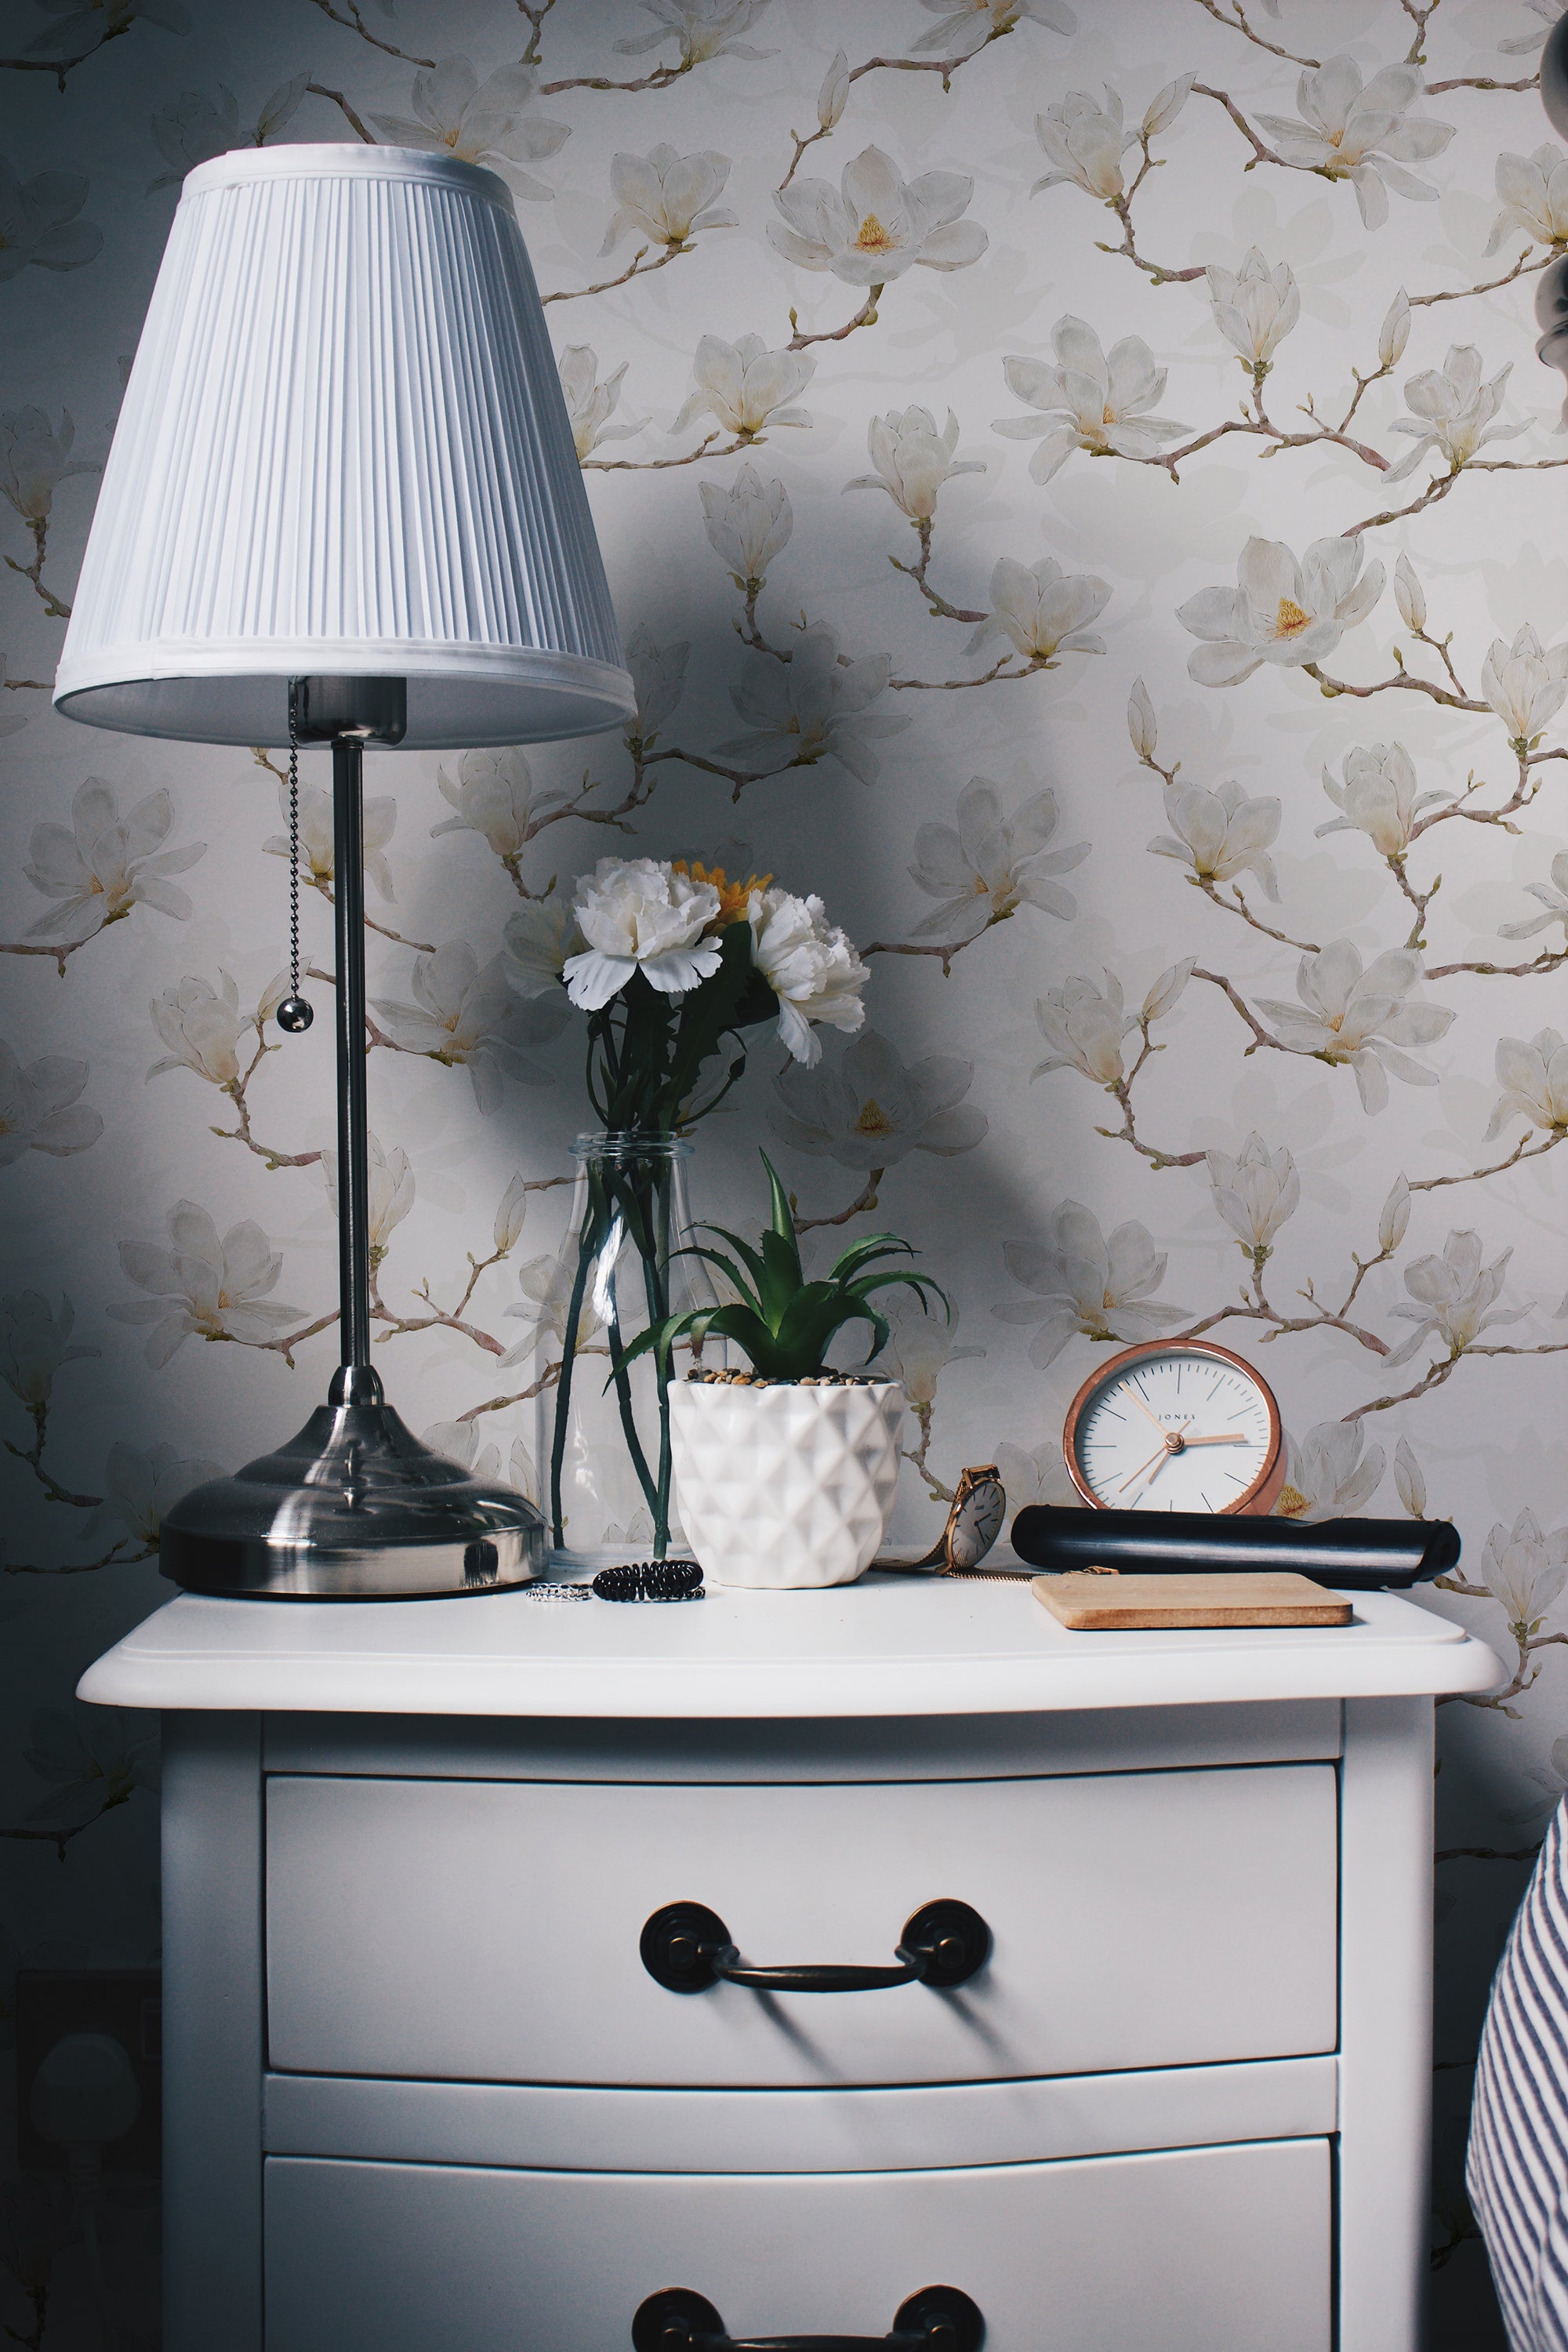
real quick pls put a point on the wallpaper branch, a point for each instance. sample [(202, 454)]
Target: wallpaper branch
[(1193, 773)]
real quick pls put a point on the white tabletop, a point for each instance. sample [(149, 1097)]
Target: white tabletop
[(885, 1646)]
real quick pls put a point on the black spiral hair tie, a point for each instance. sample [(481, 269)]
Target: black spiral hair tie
[(650, 1579)]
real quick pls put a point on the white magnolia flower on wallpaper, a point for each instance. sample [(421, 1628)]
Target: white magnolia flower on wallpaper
[(1364, 135), (1524, 44), (1409, 1479), (1453, 1298), (200, 1025), (871, 1110), (96, 1757), (1088, 401), (1534, 194), (38, 1107), (802, 710), (1219, 835), (35, 1342), (590, 405), (191, 129), (919, 1350), (988, 864), (1084, 1026), (1084, 144), (1042, 611), (480, 122), (876, 224), (38, 222), (658, 677), (1534, 1076), (1526, 1570), (636, 914), (812, 967), (746, 387), (748, 523), (546, 1284), (1552, 896), (1330, 1474), (1378, 796), (138, 1490), (705, 28), (1086, 1283), (1036, 1475), (35, 459), (1280, 611), (834, 94), (538, 940), (461, 1442), (316, 851), (1255, 307), (667, 198), (1524, 685), (510, 1214), (1256, 1191), (913, 459), (966, 26), (101, 865), (466, 1017), (390, 1191), (1362, 1018), (1452, 411), (494, 795), (203, 1286)]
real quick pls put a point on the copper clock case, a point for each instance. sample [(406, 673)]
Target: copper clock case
[(1263, 1493)]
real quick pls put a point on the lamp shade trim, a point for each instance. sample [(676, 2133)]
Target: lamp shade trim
[(241, 166), (345, 448)]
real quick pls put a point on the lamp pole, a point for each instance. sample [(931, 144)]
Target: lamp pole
[(349, 712)]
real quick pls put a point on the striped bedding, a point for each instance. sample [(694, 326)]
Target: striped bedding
[(1516, 2170)]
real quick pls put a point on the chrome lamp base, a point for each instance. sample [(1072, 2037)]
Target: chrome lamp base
[(353, 1508)]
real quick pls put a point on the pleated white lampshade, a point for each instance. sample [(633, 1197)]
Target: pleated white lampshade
[(344, 451)]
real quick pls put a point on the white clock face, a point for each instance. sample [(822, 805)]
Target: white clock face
[(1175, 1430)]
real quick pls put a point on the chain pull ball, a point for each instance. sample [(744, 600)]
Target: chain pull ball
[(296, 1011)]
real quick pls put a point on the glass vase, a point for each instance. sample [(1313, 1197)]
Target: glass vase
[(603, 1437)]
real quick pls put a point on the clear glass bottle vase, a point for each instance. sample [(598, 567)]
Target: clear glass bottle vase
[(603, 1438)]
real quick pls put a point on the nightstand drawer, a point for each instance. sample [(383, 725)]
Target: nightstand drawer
[(1214, 2249), (490, 1931)]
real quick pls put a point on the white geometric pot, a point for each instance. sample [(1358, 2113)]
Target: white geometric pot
[(785, 1487)]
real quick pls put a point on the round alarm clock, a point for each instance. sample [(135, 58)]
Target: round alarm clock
[(1175, 1425)]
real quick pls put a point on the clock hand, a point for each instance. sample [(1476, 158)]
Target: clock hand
[(1145, 1411), (1175, 1439), (1232, 1437), (1142, 1467)]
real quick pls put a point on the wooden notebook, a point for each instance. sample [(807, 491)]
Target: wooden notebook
[(1091, 1602)]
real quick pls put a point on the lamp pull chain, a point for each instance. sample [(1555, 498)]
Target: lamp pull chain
[(296, 1011)]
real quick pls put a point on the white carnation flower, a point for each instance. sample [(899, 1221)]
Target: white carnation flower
[(637, 914), (810, 965)]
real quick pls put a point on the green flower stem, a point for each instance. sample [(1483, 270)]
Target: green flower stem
[(564, 1385)]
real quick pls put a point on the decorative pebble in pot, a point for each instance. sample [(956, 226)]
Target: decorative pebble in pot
[(785, 1474)]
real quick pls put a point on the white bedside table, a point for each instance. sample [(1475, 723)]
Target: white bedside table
[(423, 2094)]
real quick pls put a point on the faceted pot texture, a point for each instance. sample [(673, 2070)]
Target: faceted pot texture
[(782, 1487)]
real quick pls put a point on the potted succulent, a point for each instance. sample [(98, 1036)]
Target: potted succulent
[(786, 1473)]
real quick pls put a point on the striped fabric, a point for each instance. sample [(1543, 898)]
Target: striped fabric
[(1517, 2170)]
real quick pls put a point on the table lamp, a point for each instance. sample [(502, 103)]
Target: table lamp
[(343, 504)]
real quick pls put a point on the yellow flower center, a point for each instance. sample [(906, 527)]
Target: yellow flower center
[(1290, 620), (1108, 414), (873, 237), (1291, 1503), (1109, 1301), (873, 1119), (733, 895)]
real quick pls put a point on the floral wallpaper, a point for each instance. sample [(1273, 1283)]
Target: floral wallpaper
[(1080, 496)]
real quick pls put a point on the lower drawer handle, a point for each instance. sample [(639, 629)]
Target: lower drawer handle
[(937, 2319), (685, 1947)]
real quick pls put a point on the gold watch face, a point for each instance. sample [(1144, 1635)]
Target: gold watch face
[(1180, 1425), (975, 1520)]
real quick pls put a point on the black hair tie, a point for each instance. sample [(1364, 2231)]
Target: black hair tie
[(650, 1579)]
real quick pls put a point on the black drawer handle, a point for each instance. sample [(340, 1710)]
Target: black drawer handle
[(937, 2319), (685, 1947)]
